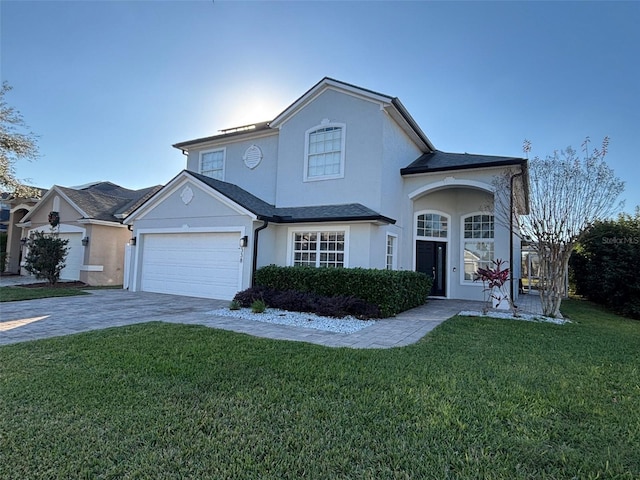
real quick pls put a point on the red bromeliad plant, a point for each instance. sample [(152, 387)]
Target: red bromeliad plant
[(495, 278)]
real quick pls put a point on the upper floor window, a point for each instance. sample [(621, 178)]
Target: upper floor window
[(212, 164), (432, 225), (478, 233), (324, 152)]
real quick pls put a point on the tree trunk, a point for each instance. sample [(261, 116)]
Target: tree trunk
[(554, 260)]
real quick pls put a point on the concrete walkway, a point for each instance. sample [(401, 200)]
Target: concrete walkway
[(51, 317)]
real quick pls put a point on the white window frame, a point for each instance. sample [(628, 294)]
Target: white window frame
[(316, 229), (430, 238), (224, 161), (446, 240), (463, 240), (391, 259), (307, 135)]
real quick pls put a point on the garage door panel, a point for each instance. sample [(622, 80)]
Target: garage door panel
[(74, 258), (192, 264)]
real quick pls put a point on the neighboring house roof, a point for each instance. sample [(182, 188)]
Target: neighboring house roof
[(93, 204), (392, 105), (438, 161), (103, 201), (143, 195)]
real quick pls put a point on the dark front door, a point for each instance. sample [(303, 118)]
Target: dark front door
[(431, 258)]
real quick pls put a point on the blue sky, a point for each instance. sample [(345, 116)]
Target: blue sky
[(110, 86)]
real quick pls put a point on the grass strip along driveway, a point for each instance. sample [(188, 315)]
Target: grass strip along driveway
[(17, 293), (476, 398)]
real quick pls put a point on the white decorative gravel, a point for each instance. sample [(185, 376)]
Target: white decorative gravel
[(297, 319), (522, 316)]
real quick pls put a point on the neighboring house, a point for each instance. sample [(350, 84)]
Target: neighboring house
[(343, 177), (5, 211), (18, 209), (91, 219)]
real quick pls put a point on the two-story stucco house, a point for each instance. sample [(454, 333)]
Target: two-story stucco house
[(343, 177)]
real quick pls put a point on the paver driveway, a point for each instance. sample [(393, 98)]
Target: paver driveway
[(50, 317)]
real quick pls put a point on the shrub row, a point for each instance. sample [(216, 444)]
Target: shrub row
[(293, 300), (604, 266), (3, 250), (391, 291)]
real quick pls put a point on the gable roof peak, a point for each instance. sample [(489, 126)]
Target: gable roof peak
[(392, 106)]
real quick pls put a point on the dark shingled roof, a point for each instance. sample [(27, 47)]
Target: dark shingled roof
[(107, 201), (265, 211), (438, 161)]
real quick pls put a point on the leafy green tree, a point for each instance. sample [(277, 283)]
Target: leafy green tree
[(16, 143), (46, 256), (604, 265)]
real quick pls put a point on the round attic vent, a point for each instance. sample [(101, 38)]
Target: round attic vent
[(252, 156)]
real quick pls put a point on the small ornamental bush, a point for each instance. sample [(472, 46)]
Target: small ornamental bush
[(46, 256), (258, 306), (495, 279)]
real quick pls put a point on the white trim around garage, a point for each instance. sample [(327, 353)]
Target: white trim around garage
[(143, 235)]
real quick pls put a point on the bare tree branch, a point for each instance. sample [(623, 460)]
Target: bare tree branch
[(567, 194)]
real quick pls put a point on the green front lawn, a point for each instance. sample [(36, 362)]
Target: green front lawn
[(14, 294), (476, 398)]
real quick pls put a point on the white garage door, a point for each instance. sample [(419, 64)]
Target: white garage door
[(75, 256), (203, 265)]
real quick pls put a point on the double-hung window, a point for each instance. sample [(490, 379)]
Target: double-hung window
[(324, 152), (391, 262), (212, 164), (319, 248), (478, 232)]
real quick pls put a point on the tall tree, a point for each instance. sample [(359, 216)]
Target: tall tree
[(16, 143), (568, 192)]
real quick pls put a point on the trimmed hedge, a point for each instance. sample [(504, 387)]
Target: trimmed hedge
[(392, 291), (297, 301), (3, 250)]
